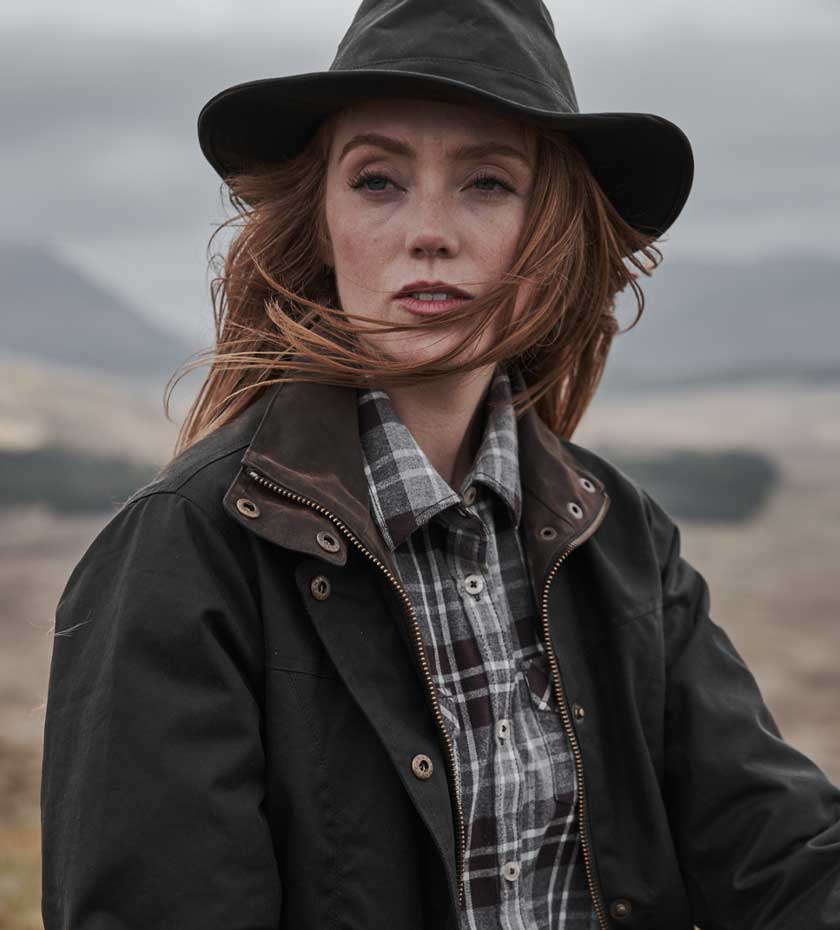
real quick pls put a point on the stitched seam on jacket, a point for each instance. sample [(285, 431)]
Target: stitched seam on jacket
[(297, 670), (158, 480), (221, 527), (651, 607)]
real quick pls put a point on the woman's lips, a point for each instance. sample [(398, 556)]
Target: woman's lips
[(427, 307)]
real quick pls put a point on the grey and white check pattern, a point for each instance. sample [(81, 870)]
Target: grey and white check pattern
[(466, 574)]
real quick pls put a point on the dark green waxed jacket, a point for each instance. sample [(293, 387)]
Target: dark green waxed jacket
[(237, 704)]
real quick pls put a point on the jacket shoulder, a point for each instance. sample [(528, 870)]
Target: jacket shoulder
[(178, 514), (204, 471)]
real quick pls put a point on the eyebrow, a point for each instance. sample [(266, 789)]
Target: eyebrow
[(461, 153)]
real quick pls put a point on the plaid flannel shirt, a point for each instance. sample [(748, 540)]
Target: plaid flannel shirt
[(464, 570)]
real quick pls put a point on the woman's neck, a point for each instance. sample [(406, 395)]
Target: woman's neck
[(446, 418)]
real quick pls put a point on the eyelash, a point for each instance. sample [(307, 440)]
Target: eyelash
[(366, 175)]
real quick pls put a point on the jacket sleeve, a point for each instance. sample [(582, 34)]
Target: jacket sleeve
[(756, 823), (152, 784)]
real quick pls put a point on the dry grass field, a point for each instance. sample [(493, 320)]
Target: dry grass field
[(773, 586)]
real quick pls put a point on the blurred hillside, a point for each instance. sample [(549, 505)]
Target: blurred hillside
[(710, 322), (52, 312), (82, 410)]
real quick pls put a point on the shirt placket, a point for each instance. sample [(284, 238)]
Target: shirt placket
[(488, 621)]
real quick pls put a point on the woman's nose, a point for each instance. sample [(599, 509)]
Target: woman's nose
[(429, 245), (431, 231)]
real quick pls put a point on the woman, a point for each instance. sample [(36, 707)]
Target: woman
[(381, 647)]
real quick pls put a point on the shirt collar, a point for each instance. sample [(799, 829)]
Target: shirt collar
[(406, 490)]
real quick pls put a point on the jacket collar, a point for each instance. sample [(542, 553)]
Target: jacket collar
[(307, 447)]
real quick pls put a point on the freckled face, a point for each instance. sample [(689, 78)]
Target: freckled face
[(426, 212)]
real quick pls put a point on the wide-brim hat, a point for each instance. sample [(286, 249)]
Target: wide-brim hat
[(469, 51)]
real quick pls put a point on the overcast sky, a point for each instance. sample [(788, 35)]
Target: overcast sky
[(100, 100)]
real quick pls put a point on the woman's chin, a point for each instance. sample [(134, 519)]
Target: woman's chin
[(415, 352)]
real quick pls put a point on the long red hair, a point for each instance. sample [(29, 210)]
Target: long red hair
[(277, 314)]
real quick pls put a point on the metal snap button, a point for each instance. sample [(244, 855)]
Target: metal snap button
[(422, 766), (247, 507), (574, 509), (320, 587), (587, 484), (548, 533), (578, 712), (511, 870), (327, 541), (620, 908), (473, 584), (470, 495)]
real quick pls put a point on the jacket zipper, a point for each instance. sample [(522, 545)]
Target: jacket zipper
[(570, 733), (424, 663)]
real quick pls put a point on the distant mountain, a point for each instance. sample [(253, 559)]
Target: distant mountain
[(50, 311), (711, 321)]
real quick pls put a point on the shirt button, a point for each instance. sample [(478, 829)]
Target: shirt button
[(503, 728), (470, 495), (474, 584), (511, 870)]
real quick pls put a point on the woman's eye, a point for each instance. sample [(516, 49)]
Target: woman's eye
[(364, 177), (494, 180)]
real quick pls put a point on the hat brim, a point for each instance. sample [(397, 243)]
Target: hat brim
[(643, 162)]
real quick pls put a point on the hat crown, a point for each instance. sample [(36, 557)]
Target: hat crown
[(451, 40)]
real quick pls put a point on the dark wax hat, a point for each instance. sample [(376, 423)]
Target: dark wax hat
[(465, 51)]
